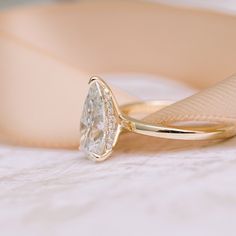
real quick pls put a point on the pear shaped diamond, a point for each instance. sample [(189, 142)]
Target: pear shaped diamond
[(98, 125)]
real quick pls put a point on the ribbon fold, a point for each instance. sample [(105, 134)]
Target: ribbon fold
[(47, 54)]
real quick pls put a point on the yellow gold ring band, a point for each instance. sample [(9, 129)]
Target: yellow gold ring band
[(195, 131)]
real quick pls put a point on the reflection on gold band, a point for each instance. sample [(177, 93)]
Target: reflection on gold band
[(188, 130)]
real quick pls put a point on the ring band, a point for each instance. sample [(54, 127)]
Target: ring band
[(102, 121), (212, 131)]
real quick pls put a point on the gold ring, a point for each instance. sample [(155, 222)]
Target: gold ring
[(103, 120)]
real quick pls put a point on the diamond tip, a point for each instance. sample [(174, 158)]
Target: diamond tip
[(98, 79)]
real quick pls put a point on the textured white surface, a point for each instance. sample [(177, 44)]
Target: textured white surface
[(149, 187)]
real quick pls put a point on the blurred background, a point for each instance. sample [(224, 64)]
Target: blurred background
[(10, 3), (226, 5)]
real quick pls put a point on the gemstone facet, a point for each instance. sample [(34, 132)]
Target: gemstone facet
[(98, 125)]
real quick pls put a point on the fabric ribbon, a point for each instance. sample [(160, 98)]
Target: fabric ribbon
[(47, 54)]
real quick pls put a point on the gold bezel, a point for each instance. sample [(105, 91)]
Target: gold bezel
[(107, 90)]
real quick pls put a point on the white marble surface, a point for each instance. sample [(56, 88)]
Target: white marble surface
[(149, 187)]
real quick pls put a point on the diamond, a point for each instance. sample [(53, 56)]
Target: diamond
[(98, 124)]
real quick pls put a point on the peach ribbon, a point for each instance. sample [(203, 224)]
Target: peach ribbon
[(47, 54)]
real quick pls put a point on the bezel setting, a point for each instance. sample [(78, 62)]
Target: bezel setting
[(100, 121)]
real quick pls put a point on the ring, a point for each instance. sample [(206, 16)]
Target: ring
[(103, 120)]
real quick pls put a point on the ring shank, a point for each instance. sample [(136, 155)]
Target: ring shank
[(144, 107), (185, 132)]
